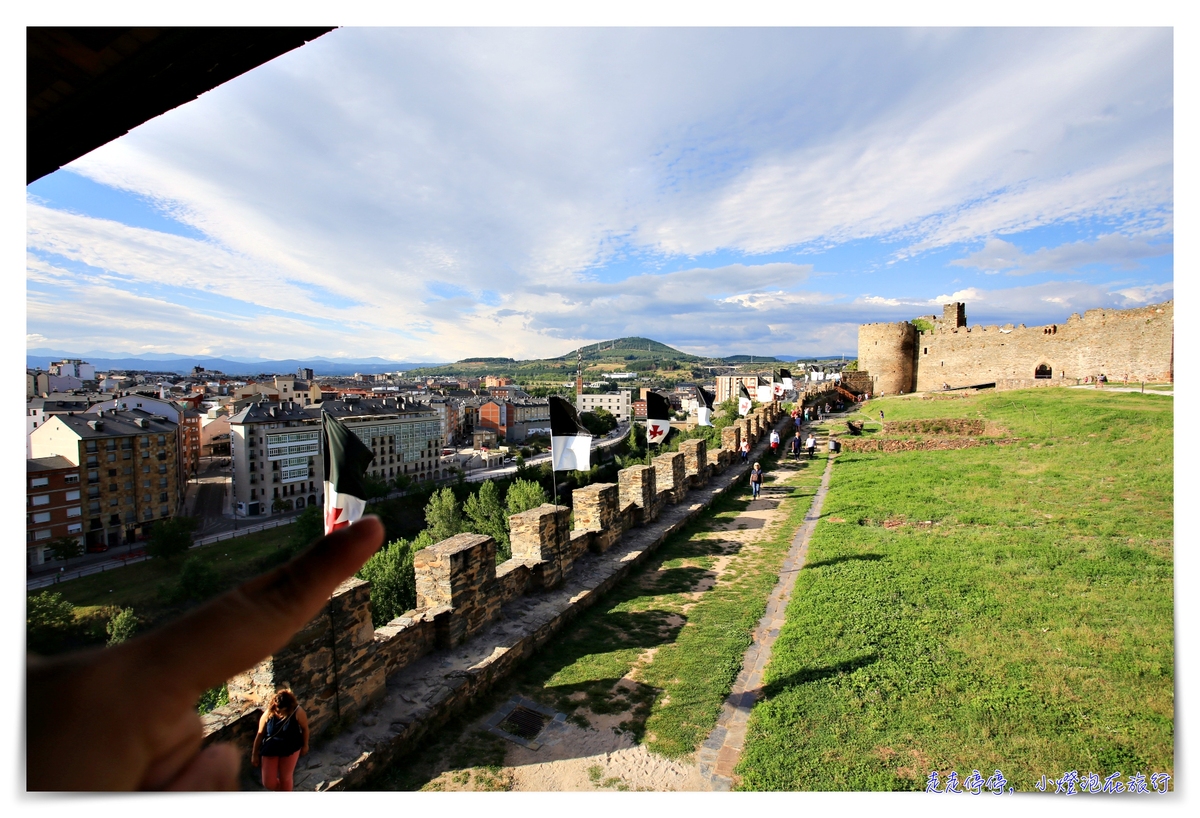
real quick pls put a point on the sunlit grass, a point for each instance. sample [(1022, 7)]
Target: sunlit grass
[(999, 607)]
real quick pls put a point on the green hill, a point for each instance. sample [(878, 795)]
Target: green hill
[(630, 349)]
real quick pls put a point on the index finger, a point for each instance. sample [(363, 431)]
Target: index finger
[(231, 633)]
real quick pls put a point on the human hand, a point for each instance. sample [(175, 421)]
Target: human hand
[(124, 718)]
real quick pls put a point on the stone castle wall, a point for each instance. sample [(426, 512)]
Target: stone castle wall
[(887, 352), (1136, 343), (338, 664)]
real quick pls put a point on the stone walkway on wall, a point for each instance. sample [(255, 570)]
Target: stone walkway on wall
[(719, 754), (424, 694)]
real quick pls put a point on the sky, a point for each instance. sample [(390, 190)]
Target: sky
[(432, 194)]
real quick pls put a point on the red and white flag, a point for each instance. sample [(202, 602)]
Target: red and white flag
[(346, 460), (658, 418)]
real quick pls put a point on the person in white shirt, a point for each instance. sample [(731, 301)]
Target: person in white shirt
[(774, 442), (811, 445)]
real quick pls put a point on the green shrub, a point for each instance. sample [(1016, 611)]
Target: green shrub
[(121, 627), (213, 698), (393, 581), (49, 622)]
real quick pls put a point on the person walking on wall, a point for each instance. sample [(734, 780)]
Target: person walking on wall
[(745, 450), (811, 445), (774, 442), (755, 481), (796, 445), (282, 738)]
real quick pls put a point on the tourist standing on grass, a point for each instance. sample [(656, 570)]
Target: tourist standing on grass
[(282, 738), (796, 445), (811, 445), (774, 442), (745, 450), (755, 481), (881, 416)]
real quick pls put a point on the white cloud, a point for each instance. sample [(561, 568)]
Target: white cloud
[(1122, 252), (511, 167)]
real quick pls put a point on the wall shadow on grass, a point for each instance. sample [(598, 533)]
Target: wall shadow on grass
[(844, 558), (815, 674)]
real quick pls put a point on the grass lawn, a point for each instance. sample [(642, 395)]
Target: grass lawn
[(137, 586), (675, 637), (1001, 607)]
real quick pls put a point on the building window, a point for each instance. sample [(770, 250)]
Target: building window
[(40, 500), (165, 511), (75, 528), (71, 478), (74, 511), (44, 534), (39, 481), (41, 517)]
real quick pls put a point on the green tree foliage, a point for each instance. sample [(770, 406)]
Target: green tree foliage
[(309, 525), (213, 698), (485, 515), (49, 621), (598, 421), (393, 581), (197, 581), (923, 324), (402, 482), (374, 489), (443, 515), (65, 549), (121, 626), (524, 495), (851, 366), (171, 538)]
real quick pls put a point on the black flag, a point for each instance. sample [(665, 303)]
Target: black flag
[(346, 460), (704, 410), (743, 400), (658, 417), (570, 441)]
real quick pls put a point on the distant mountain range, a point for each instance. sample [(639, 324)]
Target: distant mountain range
[(633, 349), (183, 364)]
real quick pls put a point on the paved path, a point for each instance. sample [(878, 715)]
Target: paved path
[(1108, 387), (720, 752)]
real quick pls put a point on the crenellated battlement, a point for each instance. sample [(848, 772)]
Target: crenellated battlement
[(1136, 344), (339, 665)]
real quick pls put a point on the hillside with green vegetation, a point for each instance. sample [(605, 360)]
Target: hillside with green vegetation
[(649, 359), (1004, 607)]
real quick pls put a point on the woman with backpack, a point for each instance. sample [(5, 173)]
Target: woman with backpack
[(282, 738), (755, 481)]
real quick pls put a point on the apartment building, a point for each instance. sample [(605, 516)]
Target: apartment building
[(53, 508), (276, 452), (276, 448), (620, 403), (405, 435), (727, 386), (128, 462)]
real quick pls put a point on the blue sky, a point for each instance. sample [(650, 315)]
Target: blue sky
[(434, 194)]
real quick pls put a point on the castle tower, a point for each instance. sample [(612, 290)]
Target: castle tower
[(887, 352), (954, 314)]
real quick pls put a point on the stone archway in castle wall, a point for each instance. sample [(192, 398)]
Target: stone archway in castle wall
[(1043, 372)]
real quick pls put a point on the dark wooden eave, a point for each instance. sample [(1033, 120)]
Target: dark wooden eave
[(87, 86)]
